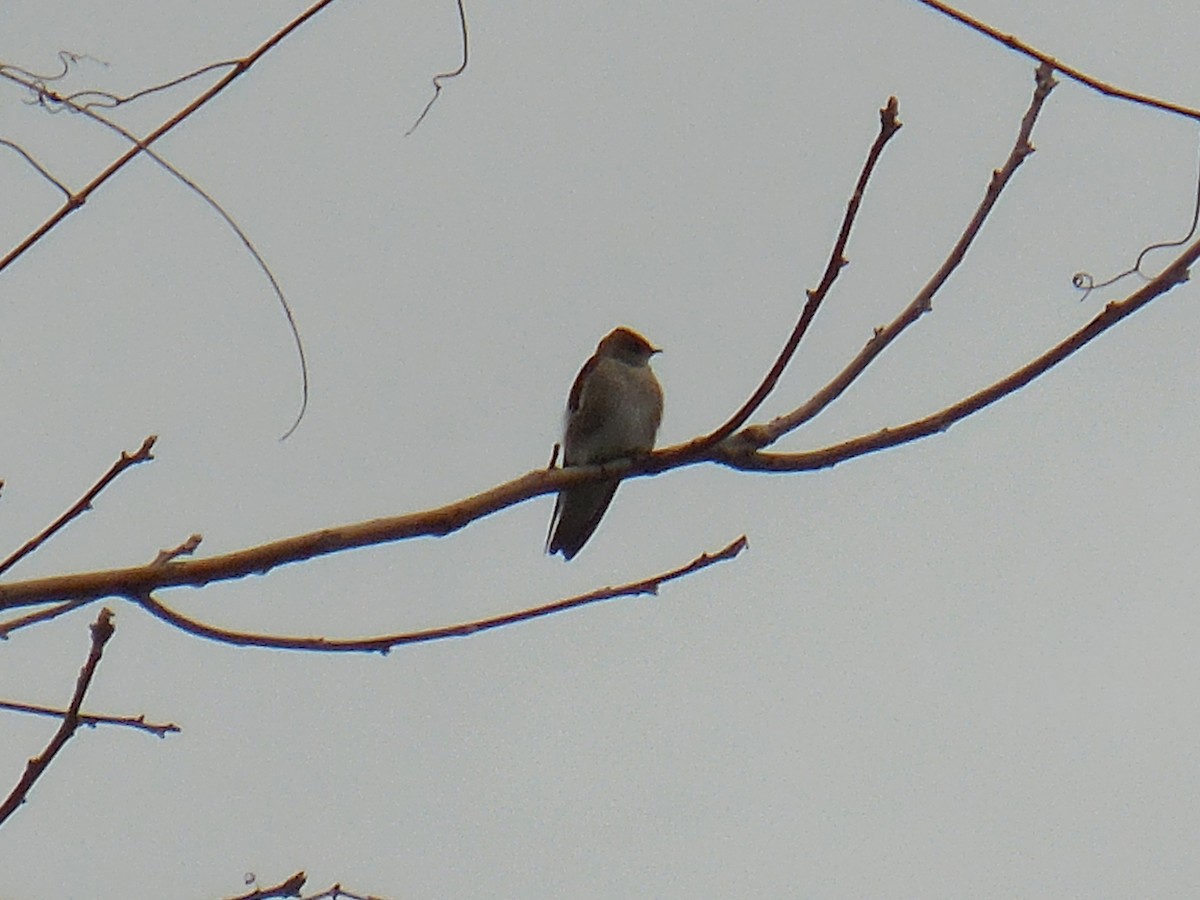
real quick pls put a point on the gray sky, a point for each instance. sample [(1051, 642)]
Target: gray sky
[(964, 667)]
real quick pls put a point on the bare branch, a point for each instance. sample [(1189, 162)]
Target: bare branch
[(1074, 74), (137, 581), (138, 723), (111, 101), (84, 503), (41, 170), (759, 436), (75, 200), (889, 124), (241, 66), (385, 643), (44, 615), (740, 450), (68, 102), (1176, 273), (102, 630)]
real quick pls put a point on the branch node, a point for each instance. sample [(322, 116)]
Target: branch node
[(187, 548), (102, 628)]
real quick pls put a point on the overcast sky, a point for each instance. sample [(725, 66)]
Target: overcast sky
[(963, 667)]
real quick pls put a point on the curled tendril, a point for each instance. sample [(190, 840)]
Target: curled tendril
[(39, 82), (1085, 282), (444, 76), (66, 59)]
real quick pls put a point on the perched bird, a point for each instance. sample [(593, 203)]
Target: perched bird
[(613, 412)]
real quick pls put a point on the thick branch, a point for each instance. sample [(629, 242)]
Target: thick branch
[(140, 581), (741, 451)]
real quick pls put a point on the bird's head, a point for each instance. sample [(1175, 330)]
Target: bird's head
[(628, 346)]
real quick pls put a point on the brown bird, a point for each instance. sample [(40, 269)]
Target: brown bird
[(613, 412)]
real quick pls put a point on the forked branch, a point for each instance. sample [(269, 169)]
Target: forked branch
[(102, 630)]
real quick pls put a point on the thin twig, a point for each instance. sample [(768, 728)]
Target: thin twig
[(384, 643), (84, 503), (889, 124), (65, 59), (140, 581), (1074, 74), (759, 436), (74, 201), (91, 720), (443, 76), (1173, 275), (67, 102), (111, 101), (44, 615), (1086, 283), (240, 68), (102, 630), (41, 170)]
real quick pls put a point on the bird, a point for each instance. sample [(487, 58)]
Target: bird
[(613, 412)]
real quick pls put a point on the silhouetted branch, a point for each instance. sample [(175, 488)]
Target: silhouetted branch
[(109, 100), (889, 124), (43, 615), (102, 630), (738, 451), (384, 643), (67, 102), (1074, 74), (84, 503), (41, 170), (759, 436), (741, 450), (142, 145), (240, 67), (138, 723), (1175, 274)]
